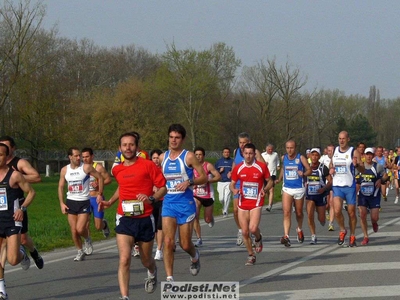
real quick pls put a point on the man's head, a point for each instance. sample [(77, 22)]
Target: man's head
[(74, 155), (343, 139), (176, 136), (243, 139), (361, 147), (4, 153), (226, 152), (200, 153), (315, 154), (128, 144), (290, 147), (379, 151), (249, 153), (87, 155), (269, 148), (9, 141), (369, 155)]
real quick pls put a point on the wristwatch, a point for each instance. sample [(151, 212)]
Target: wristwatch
[(152, 199), (191, 182), (23, 208)]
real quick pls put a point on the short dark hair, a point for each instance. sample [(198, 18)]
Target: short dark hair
[(134, 134), (7, 149), (226, 148), (71, 150), (87, 149), (177, 128), (7, 138), (200, 149), (250, 146), (158, 151)]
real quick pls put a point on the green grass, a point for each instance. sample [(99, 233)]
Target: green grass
[(49, 228)]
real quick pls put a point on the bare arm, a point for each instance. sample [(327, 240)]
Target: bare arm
[(61, 184), (17, 179), (214, 172), (29, 172)]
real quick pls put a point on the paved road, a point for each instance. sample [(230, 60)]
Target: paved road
[(303, 271)]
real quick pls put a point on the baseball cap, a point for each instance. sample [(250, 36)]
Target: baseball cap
[(315, 150), (369, 150)]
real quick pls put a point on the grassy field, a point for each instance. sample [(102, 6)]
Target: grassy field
[(49, 227)]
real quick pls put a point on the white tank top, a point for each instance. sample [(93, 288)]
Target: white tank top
[(78, 183), (344, 168)]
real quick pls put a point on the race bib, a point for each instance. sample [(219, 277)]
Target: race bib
[(291, 173), (250, 190), (3, 199), (132, 207), (201, 190), (367, 188), (172, 181), (313, 187), (75, 187), (340, 168)]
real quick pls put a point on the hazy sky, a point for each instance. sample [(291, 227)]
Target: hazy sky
[(345, 45)]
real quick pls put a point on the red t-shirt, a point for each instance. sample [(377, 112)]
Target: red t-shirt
[(251, 182), (139, 178)]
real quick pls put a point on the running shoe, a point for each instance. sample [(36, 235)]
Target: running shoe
[(195, 266), (106, 230), (171, 281), (269, 208), (38, 262), (352, 241), (300, 235), (251, 260), (345, 205), (150, 283), (124, 298), (25, 262), (135, 251), (3, 296), (396, 200), (159, 255), (224, 214), (258, 245), (313, 240), (342, 235), (198, 243), (80, 256), (211, 224), (285, 241), (88, 247), (322, 223), (375, 227), (331, 228), (239, 239), (365, 241), (384, 198)]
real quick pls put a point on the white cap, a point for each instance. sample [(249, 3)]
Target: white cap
[(315, 150), (308, 151), (369, 150)]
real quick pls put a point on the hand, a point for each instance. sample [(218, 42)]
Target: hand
[(18, 215)]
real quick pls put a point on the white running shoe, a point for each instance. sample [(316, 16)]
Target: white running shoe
[(396, 200), (3, 296), (135, 251), (80, 256), (88, 247), (239, 239), (211, 224), (150, 282), (313, 240), (25, 262), (159, 255), (195, 266), (198, 243)]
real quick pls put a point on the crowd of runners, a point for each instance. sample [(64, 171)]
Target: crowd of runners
[(160, 196)]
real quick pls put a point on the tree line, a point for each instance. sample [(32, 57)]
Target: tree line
[(56, 92)]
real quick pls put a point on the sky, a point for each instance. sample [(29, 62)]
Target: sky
[(345, 45)]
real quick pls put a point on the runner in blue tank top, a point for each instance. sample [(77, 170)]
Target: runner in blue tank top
[(294, 168), (179, 208)]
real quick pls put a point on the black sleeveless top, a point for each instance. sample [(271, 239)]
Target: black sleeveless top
[(8, 201), (13, 164)]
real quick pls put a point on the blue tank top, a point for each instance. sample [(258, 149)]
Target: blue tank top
[(291, 178), (177, 171), (367, 182), (238, 159)]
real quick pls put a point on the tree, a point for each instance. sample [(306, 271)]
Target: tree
[(19, 26)]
